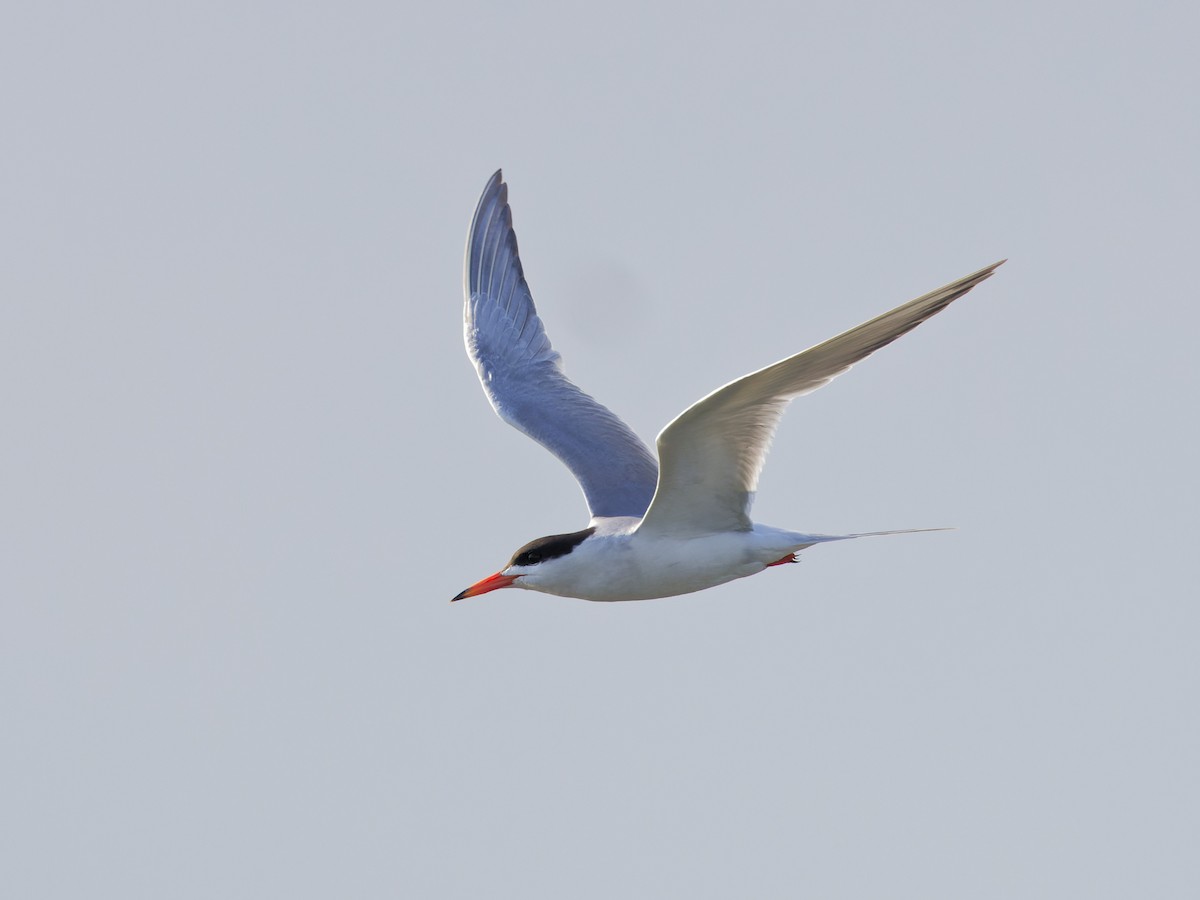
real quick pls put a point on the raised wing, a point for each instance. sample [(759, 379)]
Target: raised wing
[(710, 456), (523, 378)]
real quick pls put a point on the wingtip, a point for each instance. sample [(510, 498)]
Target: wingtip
[(495, 187), (976, 277)]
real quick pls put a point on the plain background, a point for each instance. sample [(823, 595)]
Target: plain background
[(246, 462)]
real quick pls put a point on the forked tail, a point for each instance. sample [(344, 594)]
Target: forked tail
[(808, 540), (898, 531), (804, 541)]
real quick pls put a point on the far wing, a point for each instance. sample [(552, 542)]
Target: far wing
[(523, 378), (710, 456)]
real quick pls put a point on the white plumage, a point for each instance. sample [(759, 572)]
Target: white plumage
[(657, 529)]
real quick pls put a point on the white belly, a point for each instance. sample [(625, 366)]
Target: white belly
[(609, 567)]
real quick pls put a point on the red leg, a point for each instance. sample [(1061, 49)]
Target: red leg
[(790, 558)]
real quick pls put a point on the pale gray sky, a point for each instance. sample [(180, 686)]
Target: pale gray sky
[(246, 462)]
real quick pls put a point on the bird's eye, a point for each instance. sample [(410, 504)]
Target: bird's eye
[(530, 558)]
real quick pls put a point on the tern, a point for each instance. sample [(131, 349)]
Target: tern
[(658, 528)]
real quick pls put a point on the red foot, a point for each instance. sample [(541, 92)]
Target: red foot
[(790, 558)]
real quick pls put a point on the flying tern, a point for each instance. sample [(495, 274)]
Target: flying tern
[(658, 528)]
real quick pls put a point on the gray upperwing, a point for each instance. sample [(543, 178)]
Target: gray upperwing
[(523, 378)]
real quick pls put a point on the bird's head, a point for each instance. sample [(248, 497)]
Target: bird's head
[(530, 565)]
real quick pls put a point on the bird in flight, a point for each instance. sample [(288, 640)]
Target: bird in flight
[(658, 528)]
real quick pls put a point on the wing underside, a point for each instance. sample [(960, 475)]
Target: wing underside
[(711, 455)]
